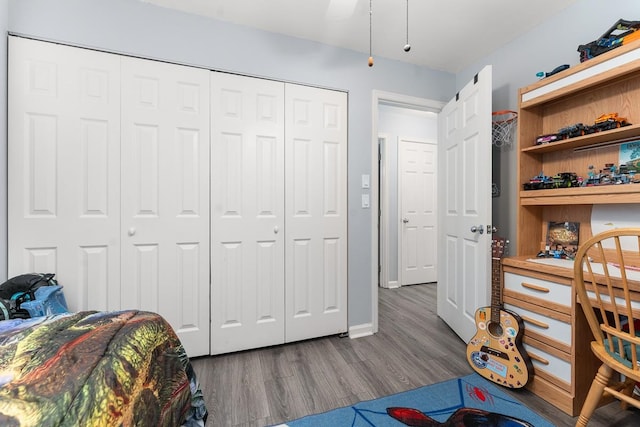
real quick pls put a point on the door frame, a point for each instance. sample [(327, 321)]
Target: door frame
[(403, 101), (383, 192)]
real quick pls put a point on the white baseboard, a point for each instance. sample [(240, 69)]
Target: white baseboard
[(360, 331), (393, 285)]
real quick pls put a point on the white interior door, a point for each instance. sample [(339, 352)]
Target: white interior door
[(247, 214), (165, 196), (64, 169), (464, 205), (418, 220), (316, 212)]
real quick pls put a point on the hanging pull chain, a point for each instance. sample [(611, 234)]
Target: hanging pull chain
[(370, 35), (407, 47)]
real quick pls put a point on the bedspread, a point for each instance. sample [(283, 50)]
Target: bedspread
[(125, 368)]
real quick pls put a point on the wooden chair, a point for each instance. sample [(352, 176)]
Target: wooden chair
[(607, 280)]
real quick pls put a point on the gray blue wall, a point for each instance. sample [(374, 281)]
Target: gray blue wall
[(136, 28)]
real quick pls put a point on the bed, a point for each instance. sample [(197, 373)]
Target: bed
[(124, 368)]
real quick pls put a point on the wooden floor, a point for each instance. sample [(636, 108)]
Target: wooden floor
[(413, 348)]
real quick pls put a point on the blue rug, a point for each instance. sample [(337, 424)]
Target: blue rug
[(469, 401)]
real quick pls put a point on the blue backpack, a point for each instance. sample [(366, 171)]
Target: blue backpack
[(31, 295)]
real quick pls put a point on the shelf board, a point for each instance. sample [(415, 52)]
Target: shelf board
[(603, 194), (608, 137), (616, 63)]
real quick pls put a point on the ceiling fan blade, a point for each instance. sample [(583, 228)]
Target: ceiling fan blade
[(341, 9)]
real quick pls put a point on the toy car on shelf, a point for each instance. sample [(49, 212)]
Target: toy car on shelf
[(572, 131), (561, 180), (604, 122), (539, 182), (622, 32), (609, 121), (610, 175), (545, 139), (565, 180)]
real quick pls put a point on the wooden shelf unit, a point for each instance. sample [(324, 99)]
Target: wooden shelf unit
[(580, 94), (563, 363)]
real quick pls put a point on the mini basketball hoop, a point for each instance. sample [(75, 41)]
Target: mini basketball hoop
[(503, 125)]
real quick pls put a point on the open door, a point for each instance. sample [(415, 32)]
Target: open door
[(464, 205)]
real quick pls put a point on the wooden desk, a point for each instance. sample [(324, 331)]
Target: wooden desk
[(556, 334)]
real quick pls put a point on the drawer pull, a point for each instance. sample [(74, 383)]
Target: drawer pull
[(535, 322), (538, 358), (534, 287)]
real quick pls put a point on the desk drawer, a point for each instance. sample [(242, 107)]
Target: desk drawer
[(538, 288), (549, 364), (543, 325)]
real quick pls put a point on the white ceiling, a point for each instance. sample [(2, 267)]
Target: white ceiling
[(446, 35)]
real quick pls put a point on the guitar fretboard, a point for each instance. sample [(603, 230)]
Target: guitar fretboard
[(498, 244), (495, 290)]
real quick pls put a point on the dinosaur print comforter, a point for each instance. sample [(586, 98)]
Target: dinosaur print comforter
[(125, 368)]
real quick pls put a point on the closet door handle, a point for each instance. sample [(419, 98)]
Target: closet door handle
[(131, 231), (276, 229)]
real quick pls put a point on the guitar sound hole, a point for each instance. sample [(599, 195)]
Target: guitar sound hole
[(495, 329)]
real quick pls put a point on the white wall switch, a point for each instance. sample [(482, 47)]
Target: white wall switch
[(365, 200), (365, 181)]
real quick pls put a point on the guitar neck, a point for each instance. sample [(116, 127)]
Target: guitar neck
[(496, 294)]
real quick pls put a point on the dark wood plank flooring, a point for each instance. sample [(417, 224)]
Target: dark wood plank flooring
[(413, 347)]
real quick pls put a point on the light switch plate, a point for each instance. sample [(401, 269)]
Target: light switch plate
[(365, 200), (365, 181)]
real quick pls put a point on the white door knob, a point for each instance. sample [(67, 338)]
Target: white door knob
[(132, 231), (276, 229)]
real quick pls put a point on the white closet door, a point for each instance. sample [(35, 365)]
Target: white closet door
[(165, 196), (316, 212), (64, 169), (247, 213)]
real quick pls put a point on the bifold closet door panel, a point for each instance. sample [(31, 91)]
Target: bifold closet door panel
[(165, 196), (316, 212), (64, 169), (247, 213)]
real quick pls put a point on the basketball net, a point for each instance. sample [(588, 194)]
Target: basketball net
[(503, 127)]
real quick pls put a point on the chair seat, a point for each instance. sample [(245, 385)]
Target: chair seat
[(626, 361), (625, 366)]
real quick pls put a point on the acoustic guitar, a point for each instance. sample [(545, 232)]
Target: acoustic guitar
[(496, 350)]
